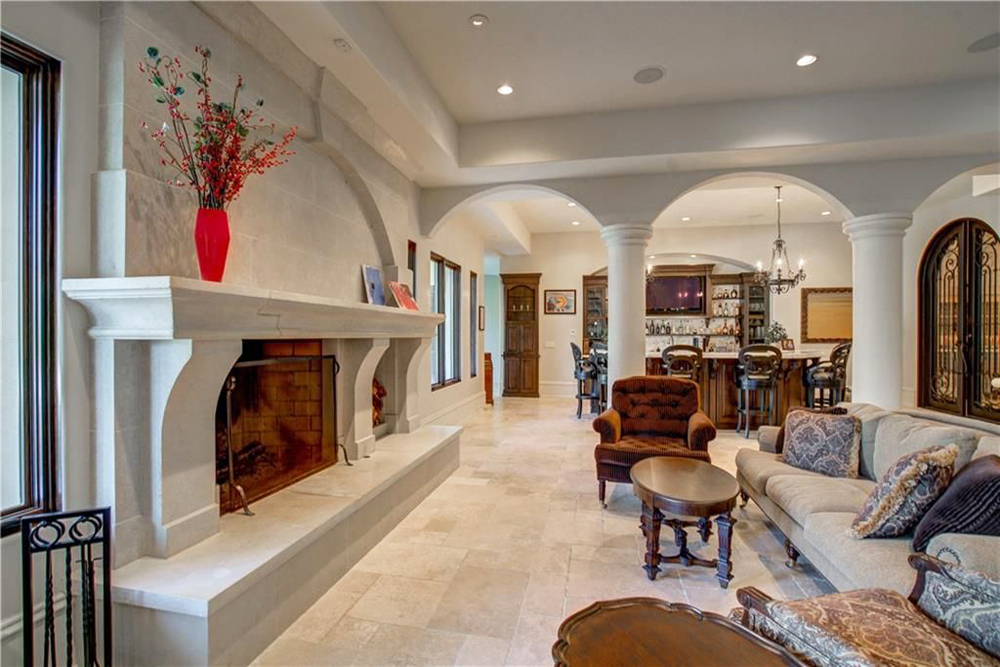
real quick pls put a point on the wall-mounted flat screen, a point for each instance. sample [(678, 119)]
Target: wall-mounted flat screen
[(675, 295)]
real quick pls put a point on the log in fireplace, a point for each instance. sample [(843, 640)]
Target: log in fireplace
[(276, 420)]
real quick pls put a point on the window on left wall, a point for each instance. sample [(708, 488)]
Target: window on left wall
[(446, 292), (30, 81)]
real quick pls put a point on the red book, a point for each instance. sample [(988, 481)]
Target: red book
[(401, 292)]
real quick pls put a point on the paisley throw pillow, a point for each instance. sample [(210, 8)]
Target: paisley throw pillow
[(905, 493), (824, 443)]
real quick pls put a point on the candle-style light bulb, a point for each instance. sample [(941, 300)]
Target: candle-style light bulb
[(802, 262), (760, 265)]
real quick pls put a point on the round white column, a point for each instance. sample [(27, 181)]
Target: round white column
[(876, 353), (626, 298)]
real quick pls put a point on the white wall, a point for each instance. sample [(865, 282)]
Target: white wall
[(493, 300), (69, 31), (952, 201), (458, 242), (563, 260)]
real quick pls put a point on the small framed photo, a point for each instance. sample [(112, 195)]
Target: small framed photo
[(482, 318), (560, 302), (374, 288), (788, 344)]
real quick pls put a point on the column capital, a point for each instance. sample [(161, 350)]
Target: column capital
[(877, 225), (631, 233)]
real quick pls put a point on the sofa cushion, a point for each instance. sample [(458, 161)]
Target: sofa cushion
[(633, 448), (866, 563), (905, 493), (973, 552), (970, 504), (872, 627), (799, 496), (965, 602), (989, 445), (899, 435), (823, 443), (870, 416), (757, 467)]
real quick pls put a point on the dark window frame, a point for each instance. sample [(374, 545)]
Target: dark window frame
[(39, 119), (441, 265), (473, 324)]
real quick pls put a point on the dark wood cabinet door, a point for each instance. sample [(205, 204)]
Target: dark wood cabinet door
[(723, 412), (521, 334)]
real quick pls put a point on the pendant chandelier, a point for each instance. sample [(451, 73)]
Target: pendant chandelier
[(779, 277)]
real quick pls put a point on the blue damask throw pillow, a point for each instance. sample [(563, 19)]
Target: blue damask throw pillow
[(824, 443)]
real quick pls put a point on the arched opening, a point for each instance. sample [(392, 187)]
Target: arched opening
[(959, 321)]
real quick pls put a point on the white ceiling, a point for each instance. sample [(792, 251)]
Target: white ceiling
[(544, 215), (572, 58), (746, 201)]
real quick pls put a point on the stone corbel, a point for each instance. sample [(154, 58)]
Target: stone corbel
[(358, 360), (411, 355)]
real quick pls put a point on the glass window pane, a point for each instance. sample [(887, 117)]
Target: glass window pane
[(11, 344), (435, 307), (451, 323)]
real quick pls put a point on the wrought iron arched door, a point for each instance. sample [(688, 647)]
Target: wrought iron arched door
[(960, 321)]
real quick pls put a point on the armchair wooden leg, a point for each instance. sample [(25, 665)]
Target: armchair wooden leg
[(602, 485), (744, 499)]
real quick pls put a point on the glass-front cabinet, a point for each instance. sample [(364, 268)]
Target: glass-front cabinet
[(595, 311)]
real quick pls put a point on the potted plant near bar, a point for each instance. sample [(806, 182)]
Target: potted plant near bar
[(214, 152)]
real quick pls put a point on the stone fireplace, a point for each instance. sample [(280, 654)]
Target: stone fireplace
[(191, 576)]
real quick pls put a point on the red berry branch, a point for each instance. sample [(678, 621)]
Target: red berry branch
[(214, 152)]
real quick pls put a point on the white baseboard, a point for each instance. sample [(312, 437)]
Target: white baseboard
[(458, 412), (562, 388)]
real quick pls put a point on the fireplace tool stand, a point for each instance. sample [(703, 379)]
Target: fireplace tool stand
[(230, 386)]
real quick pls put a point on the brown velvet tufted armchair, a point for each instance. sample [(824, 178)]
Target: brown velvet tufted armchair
[(649, 416)]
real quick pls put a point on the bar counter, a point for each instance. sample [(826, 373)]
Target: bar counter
[(718, 383)]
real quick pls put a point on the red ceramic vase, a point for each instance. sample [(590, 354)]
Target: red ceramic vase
[(211, 238)]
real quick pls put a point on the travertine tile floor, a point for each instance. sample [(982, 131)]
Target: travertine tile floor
[(484, 570)]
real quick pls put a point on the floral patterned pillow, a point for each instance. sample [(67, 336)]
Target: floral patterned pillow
[(905, 493), (965, 602), (824, 443)]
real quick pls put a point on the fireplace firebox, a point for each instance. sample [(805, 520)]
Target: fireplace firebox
[(276, 420)]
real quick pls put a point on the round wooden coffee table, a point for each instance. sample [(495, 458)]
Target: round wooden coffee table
[(647, 631), (685, 487)]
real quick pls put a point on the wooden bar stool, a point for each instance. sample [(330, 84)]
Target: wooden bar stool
[(587, 387), (683, 361), (758, 376), (829, 378)]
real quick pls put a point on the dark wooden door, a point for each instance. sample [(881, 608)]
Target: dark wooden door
[(520, 356), (959, 319)]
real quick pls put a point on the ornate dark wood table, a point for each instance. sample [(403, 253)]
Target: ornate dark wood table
[(685, 487), (647, 631)]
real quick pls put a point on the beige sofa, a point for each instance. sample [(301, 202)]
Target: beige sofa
[(814, 511)]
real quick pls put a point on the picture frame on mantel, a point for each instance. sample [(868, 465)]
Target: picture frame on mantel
[(827, 314), (560, 302)]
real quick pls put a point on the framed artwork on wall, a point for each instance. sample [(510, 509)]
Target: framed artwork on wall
[(827, 314), (482, 318), (788, 345), (560, 302)]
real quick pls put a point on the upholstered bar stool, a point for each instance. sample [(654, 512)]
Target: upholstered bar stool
[(758, 376), (683, 361), (587, 386), (829, 378)]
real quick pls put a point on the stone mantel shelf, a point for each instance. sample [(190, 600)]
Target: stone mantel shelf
[(169, 307)]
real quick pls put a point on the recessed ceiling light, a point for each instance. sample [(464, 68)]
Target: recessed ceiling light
[(342, 44), (694, 255), (685, 219), (806, 60), (985, 43), (652, 256), (825, 213), (479, 20), (505, 89), (575, 223), (571, 204), (650, 74)]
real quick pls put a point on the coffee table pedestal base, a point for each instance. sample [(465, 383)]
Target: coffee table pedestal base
[(652, 518)]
